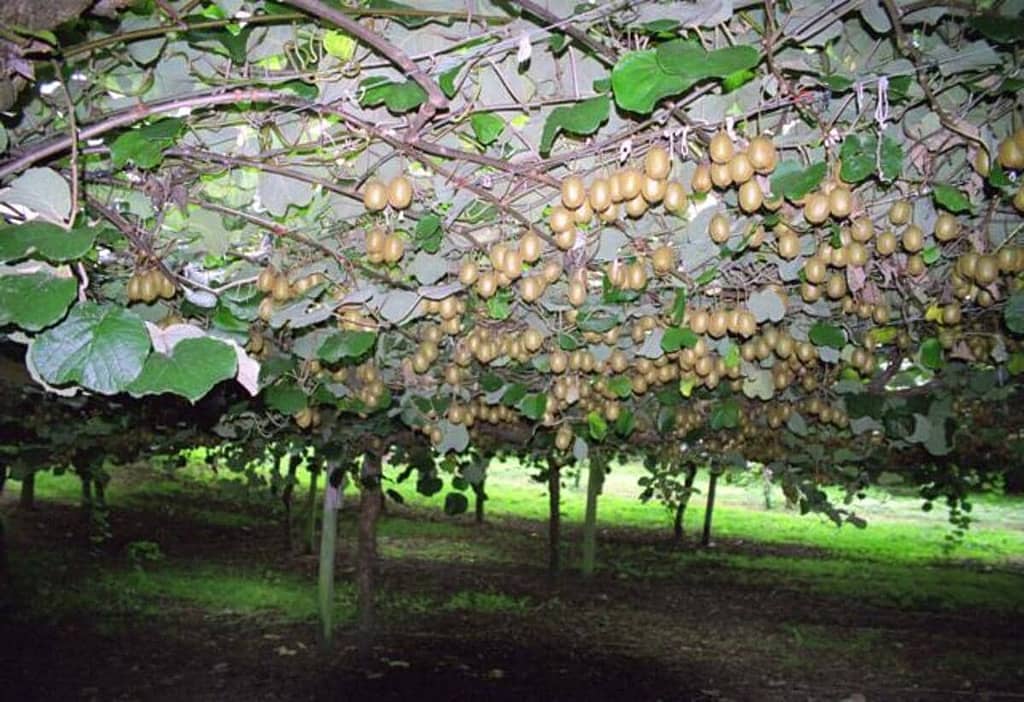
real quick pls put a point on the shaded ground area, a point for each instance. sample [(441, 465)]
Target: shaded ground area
[(469, 613)]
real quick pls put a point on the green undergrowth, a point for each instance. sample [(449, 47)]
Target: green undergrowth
[(894, 585)]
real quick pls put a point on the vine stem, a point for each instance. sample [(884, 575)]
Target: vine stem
[(73, 136), (130, 116)]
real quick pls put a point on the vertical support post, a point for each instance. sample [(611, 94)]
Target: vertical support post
[(705, 539), (366, 548), (328, 547), (554, 515)]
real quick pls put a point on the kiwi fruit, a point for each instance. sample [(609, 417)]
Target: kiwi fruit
[(375, 196), (721, 148), (719, 229), (701, 180), (600, 195), (750, 196), (574, 192), (675, 197), (816, 208), (762, 154), (900, 212), (657, 163)]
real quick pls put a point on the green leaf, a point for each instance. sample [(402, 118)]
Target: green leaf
[(429, 485), (626, 423), (597, 426), (489, 382), (837, 83), (679, 306), (1016, 363), (792, 182), (823, 334), (285, 397), (487, 127), (429, 234), (533, 405), (638, 82), (732, 356), (513, 394), (35, 301), (931, 353), (726, 415), (582, 119), (447, 81), (707, 276), (892, 158), (690, 60), (621, 386), (566, 342), (1013, 313), (455, 503), (931, 254), (346, 344), (145, 146), (950, 198), (858, 158), (398, 97), (45, 240), (499, 306), (339, 45), (1000, 29), (100, 347), (676, 338), (192, 369), (737, 80)]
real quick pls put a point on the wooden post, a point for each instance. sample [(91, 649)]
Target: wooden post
[(27, 498), (328, 547), (678, 527), (481, 497), (314, 473)]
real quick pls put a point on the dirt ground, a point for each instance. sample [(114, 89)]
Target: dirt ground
[(611, 638)]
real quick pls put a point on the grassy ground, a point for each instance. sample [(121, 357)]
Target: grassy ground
[(779, 597)]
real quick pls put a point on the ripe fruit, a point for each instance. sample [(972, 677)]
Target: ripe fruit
[(740, 168), (531, 288), (630, 182), (134, 288), (862, 229), (530, 247), (577, 293), (675, 197), (663, 259), (900, 212), (264, 282), (657, 163), (815, 270), (1011, 154), (637, 206), (913, 239), (718, 228), (721, 177), (816, 208), (886, 243), (840, 202), (394, 249), (400, 193), (721, 148), (565, 239), (951, 314), (701, 181), (762, 154), (375, 196), (750, 196), (468, 272), (946, 227), (282, 290), (789, 246), (986, 270), (561, 220), (653, 190), (573, 192), (600, 195)]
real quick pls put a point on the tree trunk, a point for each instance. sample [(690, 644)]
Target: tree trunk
[(328, 549), (27, 500), (86, 480), (706, 538), (677, 527), (481, 497), (366, 549), (595, 479), (554, 516), (101, 494), (311, 510), (286, 500)]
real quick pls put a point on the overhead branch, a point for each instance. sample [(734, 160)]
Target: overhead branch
[(59, 145), (435, 98)]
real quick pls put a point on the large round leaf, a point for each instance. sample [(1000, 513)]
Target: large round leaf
[(100, 347), (191, 370), (35, 301)]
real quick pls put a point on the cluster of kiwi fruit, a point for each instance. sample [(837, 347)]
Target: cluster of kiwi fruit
[(397, 193), (975, 272), (730, 167), (278, 288), (384, 247), (631, 189), (365, 379), (307, 418), (504, 264), (149, 284)]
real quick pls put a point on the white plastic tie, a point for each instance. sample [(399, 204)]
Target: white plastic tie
[(882, 108)]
